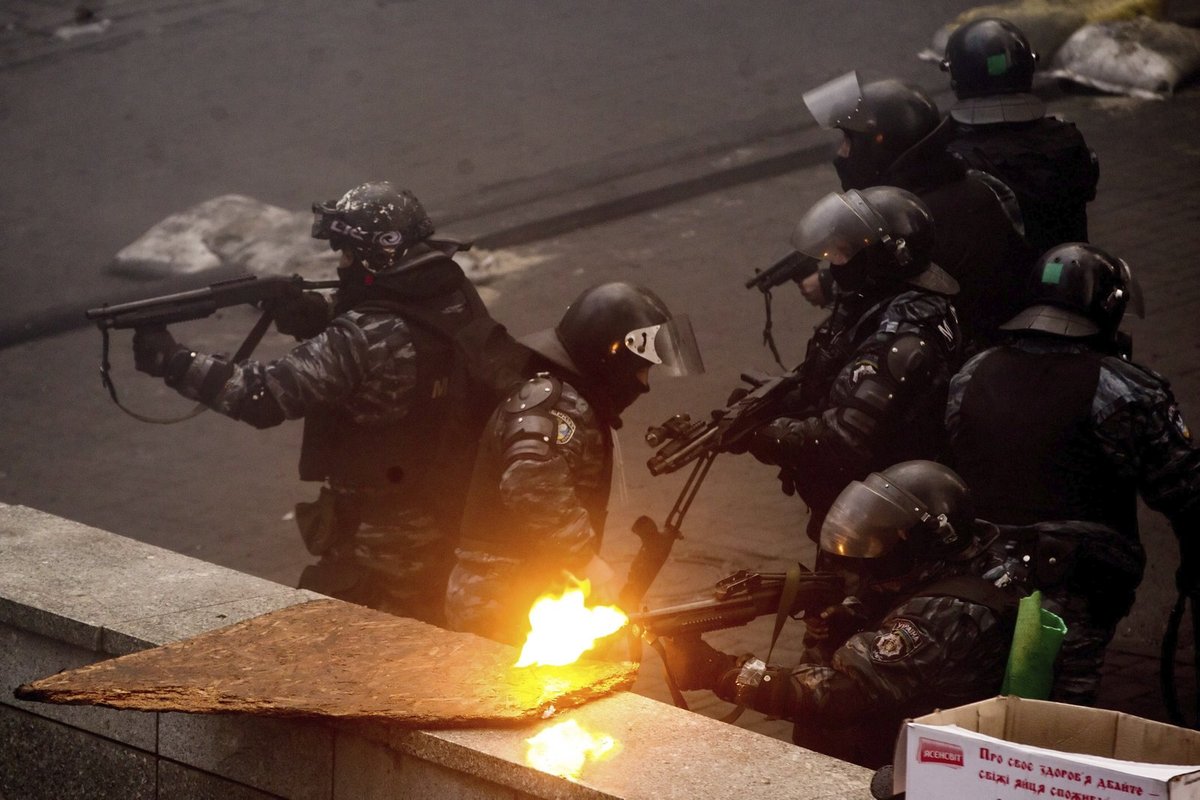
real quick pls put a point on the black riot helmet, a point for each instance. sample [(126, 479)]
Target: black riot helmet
[(1078, 290), (991, 67), (881, 121), (612, 334), (911, 512), (877, 236), (375, 222)]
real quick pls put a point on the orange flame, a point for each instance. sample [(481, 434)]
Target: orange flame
[(562, 627), (565, 748)]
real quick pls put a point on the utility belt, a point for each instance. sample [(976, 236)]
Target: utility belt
[(336, 514), (1089, 562)]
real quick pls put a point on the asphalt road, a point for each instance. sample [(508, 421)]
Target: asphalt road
[(505, 118), (662, 143)]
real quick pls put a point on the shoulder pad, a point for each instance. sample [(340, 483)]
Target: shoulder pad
[(533, 393), (530, 426), (909, 356)]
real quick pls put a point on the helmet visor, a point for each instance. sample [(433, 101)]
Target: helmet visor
[(670, 345), (868, 518), (324, 215), (837, 228), (839, 104)]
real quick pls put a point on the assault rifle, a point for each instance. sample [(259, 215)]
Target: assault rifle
[(682, 440), (793, 266), (200, 303), (197, 304), (739, 599)]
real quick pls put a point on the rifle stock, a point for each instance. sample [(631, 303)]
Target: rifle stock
[(737, 600), (200, 303)]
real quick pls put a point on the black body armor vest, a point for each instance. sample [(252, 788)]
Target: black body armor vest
[(1030, 413), (465, 360), (1048, 166)]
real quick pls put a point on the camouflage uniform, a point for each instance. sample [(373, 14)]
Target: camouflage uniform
[(1056, 440), (373, 390), (872, 389), (944, 645), (536, 509)]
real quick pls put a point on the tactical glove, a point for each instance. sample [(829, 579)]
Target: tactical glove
[(835, 624), (766, 445), (154, 348), (300, 314), (694, 664)]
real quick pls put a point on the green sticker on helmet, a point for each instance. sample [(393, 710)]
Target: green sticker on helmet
[(1052, 272), (997, 64)]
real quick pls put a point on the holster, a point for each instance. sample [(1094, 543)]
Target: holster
[(324, 522)]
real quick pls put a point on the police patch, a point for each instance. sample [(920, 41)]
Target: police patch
[(566, 427), (904, 639), (1177, 420)]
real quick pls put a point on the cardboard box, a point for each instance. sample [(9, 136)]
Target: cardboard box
[(1009, 747)]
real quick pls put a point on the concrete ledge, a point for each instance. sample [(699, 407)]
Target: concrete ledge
[(72, 595)]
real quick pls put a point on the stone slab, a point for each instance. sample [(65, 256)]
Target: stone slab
[(285, 758), (25, 656), (43, 760), (663, 753), (176, 780), (368, 770), (333, 659), (99, 591)]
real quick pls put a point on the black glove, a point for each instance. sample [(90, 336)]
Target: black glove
[(153, 348), (299, 314), (766, 445), (835, 624), (694, 664)]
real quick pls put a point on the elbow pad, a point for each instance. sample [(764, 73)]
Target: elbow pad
[(258, 407)]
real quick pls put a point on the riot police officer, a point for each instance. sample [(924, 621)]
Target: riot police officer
[(539, 493), (392, 381), (893, 135), (1060, 431), (943, 641), (1001, 128), (874, 378)]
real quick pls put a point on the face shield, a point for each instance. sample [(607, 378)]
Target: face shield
[(670, 345), (839, 104), (869, 518), (837, 228)]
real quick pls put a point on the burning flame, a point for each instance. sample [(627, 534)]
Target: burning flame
[(562, 628), (563, 749)]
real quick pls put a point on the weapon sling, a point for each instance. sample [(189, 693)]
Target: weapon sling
[(243, 352), (1166, 671)]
